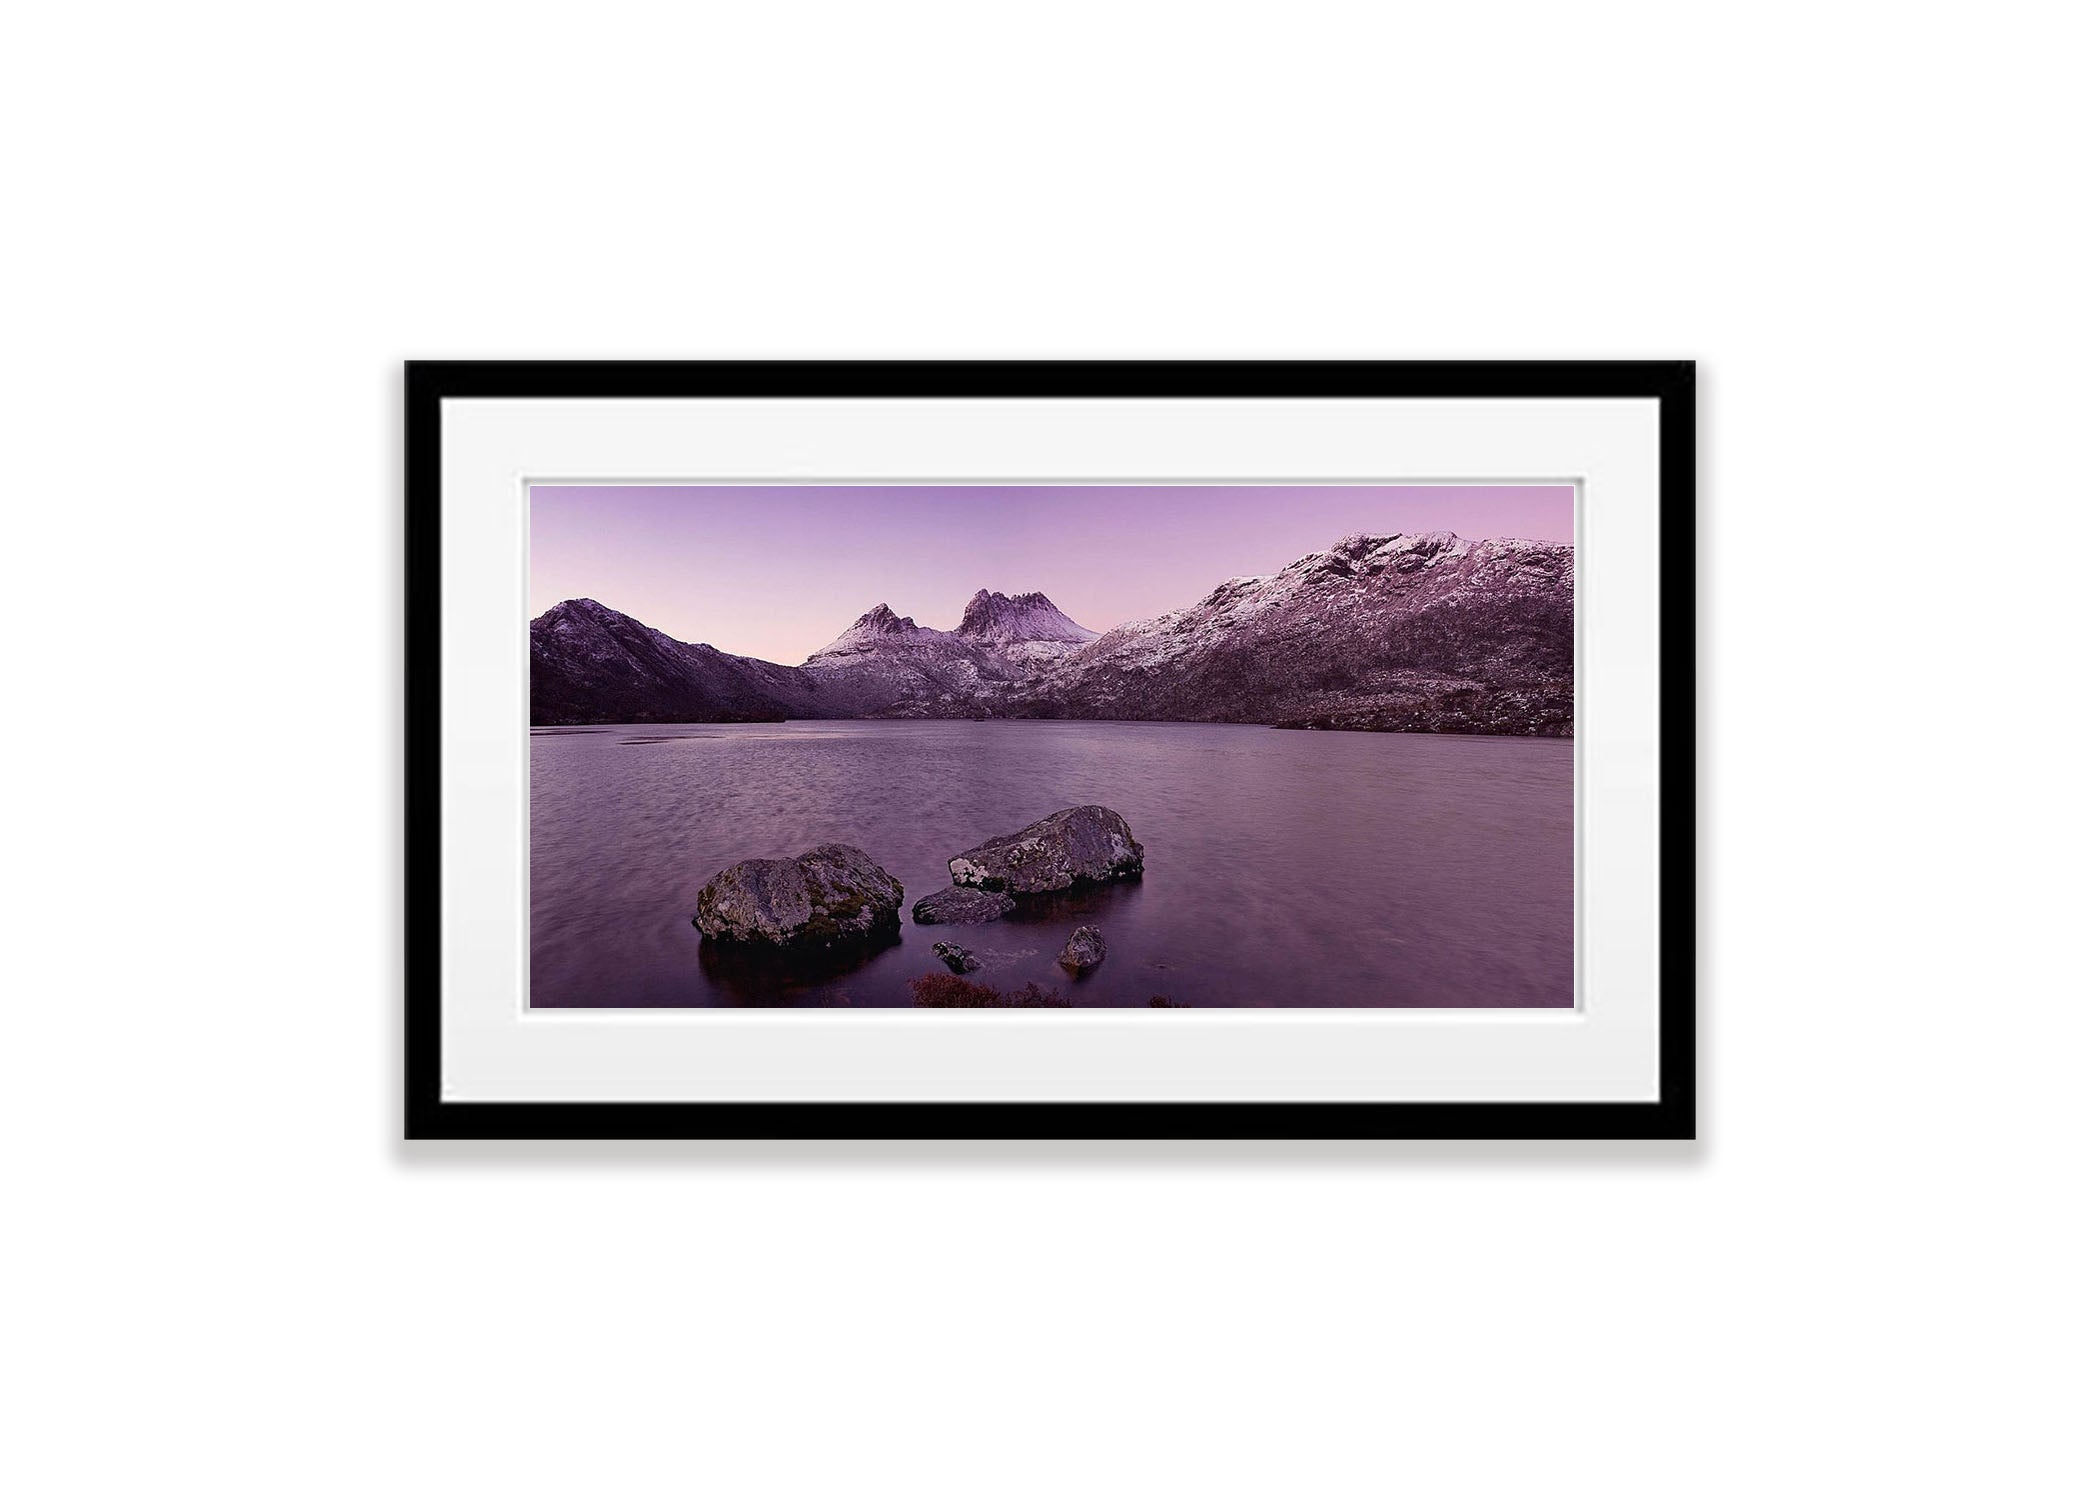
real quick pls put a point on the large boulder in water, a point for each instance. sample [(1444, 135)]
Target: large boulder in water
[(958, 905), (1083, 951), (1069, 847), (826, 897)]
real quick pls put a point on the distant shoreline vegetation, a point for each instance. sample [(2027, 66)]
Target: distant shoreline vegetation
[(1408, 633)]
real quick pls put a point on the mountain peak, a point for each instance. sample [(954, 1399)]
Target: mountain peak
[(1428, 543), (1360, 553), (1024, 617), (884, 620), (583, 612), (880, 626)]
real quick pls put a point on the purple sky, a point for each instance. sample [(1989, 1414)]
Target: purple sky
[(777, 572)]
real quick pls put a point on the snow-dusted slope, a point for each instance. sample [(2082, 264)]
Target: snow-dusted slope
[(888, 665), (1377, 632), (1029, 619), (880, 629)]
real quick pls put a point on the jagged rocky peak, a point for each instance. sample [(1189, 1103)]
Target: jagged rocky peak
[(880, 626), (1423, 544), (1362, 554), (1024, 617), (882, 620)]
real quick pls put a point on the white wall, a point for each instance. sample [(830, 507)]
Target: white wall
[(229, 223)]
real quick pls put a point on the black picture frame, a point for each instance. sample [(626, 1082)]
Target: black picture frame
[(1671, 1116)]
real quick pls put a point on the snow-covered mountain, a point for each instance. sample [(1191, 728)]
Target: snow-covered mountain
[(880, 629), (1425, 632), (1025, 619), (889, 666)]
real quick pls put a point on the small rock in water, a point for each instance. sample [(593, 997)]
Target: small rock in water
[(1074, 845), (956, 904), (831, 895), (1083, 951), (958, 958)]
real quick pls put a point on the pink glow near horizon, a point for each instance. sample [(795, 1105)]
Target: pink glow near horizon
[(778, 572)]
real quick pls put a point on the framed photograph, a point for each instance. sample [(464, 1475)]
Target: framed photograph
[(1002, 750)]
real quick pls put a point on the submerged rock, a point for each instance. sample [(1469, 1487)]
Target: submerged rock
[(962, 906), (958, 958), (766, 976), (1083, 951), (830, 895), (1068, 847)]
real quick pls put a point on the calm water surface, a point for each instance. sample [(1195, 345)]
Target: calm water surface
[(1281, 867)]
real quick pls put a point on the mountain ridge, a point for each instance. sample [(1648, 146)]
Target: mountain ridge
[(591, 664), (887, 665), (1022, 619), (1425, 632)]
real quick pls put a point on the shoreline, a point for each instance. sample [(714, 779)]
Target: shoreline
[(660, 724)]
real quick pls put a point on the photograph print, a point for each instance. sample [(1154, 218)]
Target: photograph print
[(1031, 746)]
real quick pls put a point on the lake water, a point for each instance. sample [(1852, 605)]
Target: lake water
[(1282, 867)]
